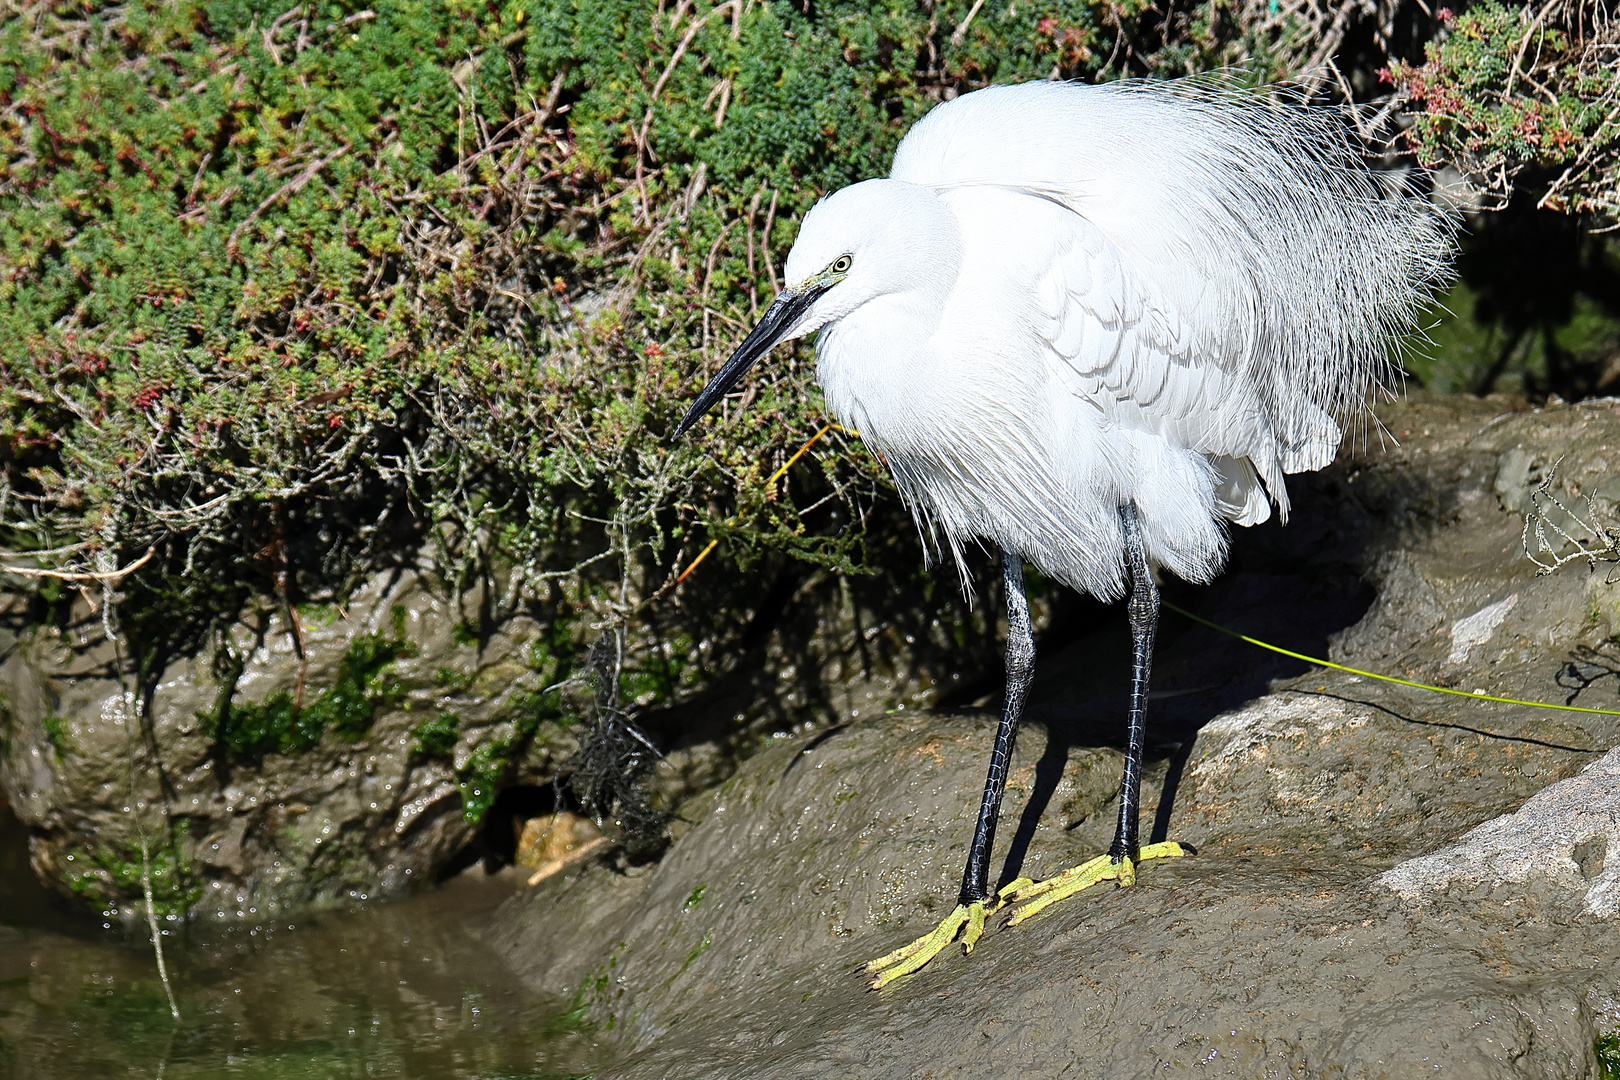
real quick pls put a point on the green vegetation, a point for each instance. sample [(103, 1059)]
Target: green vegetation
[(1607, 1051), (571, 1019), (480, 779), (272, 271), (1536, 314), (279, 725), (1509, 89), (439, 260), (1519, 102), (106, 873), (697, 950), (436, 737), (450, 679), (56, 734)]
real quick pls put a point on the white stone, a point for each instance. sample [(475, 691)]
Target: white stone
[(1537, 841), (1476, 629)]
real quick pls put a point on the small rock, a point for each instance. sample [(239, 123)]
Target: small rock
[(1568, 836), (548, 843), (1476, 629)]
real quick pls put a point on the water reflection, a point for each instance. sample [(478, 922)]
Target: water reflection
[(395, 990)]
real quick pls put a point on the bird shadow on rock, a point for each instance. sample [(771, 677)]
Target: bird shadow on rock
[(1296, 585)]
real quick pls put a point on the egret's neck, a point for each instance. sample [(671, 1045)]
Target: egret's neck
[(875, 358), (870, 363)]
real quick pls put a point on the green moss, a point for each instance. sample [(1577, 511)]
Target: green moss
[(571, 1019), (697, 950), (100, 874), (1607, 1052), (322, 615), (56, 734), (346, 708), (436, 737), (448, 678), (479, 780)]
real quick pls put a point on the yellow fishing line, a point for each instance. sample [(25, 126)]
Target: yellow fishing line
[(1384, 678)]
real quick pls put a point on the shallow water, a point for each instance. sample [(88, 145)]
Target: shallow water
[(392, 990)]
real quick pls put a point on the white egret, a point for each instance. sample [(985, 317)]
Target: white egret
[(1095, 324)]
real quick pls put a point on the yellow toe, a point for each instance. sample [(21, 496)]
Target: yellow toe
[(1031, 900), (966, 919)]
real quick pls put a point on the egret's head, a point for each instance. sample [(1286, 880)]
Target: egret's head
[(871, 239)]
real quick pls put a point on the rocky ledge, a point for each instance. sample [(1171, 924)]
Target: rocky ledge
[(1390, 880), (247, 805)]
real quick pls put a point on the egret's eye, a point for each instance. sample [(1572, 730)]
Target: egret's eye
[(842, 265)]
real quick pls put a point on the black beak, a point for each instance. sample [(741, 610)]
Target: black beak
[(779, 318)]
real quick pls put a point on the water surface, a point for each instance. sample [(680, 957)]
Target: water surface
[(391, 990)]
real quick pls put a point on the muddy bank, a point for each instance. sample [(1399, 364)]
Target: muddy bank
[(368, 749), (1341, 918), (733, 957)]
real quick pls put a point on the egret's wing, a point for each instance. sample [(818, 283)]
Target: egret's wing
[(1128, 347), (1125, 346), (1282, 271)]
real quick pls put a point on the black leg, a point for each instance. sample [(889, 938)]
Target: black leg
[(1020, 671), (1143, 608), (1028, 898)]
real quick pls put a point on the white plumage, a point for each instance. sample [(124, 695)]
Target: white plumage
[(1067, 297), (1093, 325)]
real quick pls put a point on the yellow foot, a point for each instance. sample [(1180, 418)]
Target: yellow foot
[(1029, 899), (967, 919)]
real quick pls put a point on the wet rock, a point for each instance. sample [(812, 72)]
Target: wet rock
[(386, 795), (260, 783), (549, 843), (733, 956), (1390, 880), (1563, 838)]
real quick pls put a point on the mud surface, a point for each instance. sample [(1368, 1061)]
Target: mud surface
[(1342, 919)]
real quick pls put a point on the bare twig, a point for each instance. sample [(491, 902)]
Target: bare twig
[(960, 33), (232, 249), (765, 244), (658, 88), (1597, 542), (1516, 69), (111, 577)]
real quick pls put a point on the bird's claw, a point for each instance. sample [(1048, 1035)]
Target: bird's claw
[(1033, 898), (1025, 896), (966, 919)]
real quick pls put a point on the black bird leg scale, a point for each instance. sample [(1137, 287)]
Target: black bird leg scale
[(1020, 673), (1143, 608)]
